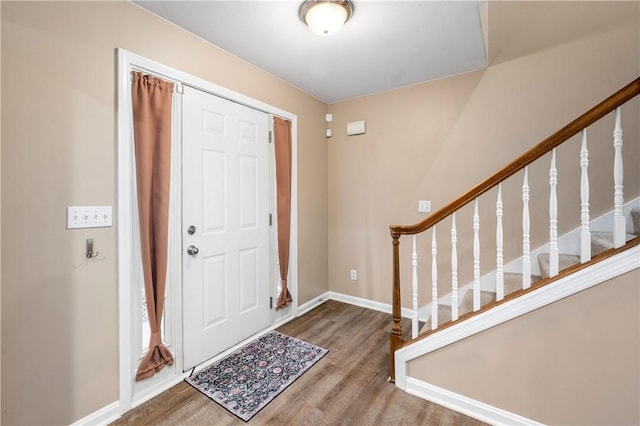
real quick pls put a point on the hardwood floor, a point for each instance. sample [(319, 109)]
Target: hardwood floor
[(347, 387)]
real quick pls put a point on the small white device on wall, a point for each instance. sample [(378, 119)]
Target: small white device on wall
[(328, 119), (356, 128)]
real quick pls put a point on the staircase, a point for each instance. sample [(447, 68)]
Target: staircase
[(600, 242), (478, 302)]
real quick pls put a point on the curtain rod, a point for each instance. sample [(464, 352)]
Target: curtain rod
[(178, 83)]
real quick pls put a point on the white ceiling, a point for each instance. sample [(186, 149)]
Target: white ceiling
[(385, 45)]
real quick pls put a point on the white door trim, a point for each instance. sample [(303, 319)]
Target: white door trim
[(125, 199)]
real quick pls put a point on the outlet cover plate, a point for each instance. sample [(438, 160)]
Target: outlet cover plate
[(424, 206)]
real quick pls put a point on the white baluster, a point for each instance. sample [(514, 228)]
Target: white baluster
[(434, 281), (414, 284), (553, 217), (526, 244), (585, 233), (499, 248), (618, 197), (454, 269), (476, 257)]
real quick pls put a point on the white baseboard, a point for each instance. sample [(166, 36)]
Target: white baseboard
[(366, 303), (313, 303), (351, 300), (161, 386), (467, 406), (104, 416)]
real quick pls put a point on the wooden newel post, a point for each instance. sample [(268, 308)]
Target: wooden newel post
[(395, 340)]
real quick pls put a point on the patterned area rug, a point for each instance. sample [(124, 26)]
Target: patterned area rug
[(246, 380)]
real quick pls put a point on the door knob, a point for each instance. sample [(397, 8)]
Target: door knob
[(193, 250)]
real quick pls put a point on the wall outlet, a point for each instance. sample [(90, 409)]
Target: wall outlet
[(424, 206), (354, 275)]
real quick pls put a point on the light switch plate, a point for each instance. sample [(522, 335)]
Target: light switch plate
[(89, 216)]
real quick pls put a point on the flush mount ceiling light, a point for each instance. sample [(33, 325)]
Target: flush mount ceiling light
[(326, 17)]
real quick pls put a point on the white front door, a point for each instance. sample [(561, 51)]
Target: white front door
[(225, 220)]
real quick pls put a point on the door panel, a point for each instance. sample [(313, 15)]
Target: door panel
[(213, 188), (248, 279), (226, 197), (214, 290)]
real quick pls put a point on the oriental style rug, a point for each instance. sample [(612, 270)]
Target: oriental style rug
[(248, 379)]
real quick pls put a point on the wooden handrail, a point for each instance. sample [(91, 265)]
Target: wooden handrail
[(585, 120), (571, 129)]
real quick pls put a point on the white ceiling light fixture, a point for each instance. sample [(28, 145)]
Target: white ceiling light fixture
[(326, 17)]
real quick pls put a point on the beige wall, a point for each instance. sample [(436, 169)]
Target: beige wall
[(0, 224), (574, 362), (435, 140), (59, 312)]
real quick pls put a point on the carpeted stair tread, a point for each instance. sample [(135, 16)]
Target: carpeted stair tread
[(444, 315), (601, 241), (467, 300), (444, 311), (564, 261), (513, 281)]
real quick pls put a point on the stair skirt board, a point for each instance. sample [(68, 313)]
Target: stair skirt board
[(470, 407), (583, 279)]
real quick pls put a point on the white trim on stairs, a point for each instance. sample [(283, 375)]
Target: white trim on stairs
[(589, 277), (569, 243), (467, 406)]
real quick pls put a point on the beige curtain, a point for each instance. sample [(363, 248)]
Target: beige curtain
[(282, 132), (152, 99)]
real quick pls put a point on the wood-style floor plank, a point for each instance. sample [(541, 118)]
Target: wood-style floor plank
[(347, 387)]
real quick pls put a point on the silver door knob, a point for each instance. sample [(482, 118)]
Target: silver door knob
[(193, 250)]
